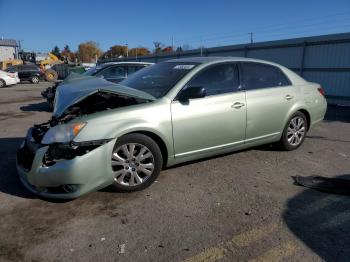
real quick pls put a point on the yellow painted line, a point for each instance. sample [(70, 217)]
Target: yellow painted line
[(209, 255), (277, 253), (246, 238)]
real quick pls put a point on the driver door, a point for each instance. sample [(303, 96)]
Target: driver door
[(214, 122)]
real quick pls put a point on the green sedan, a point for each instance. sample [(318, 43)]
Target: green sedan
[(122, 135)]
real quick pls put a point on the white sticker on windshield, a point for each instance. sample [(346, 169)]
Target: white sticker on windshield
[(186, 67)]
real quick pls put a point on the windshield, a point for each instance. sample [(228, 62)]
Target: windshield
[(92, 71), (158, 79)]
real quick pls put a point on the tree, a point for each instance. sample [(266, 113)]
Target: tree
[(56, 51), (67, 54), (157, 47), (179, 49), (140, 51), (88, 51), (167, 49), (116, 51)]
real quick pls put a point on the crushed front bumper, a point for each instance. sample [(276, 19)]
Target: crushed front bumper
[(65, 179)]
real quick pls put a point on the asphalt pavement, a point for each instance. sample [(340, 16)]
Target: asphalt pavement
[(242, 206)]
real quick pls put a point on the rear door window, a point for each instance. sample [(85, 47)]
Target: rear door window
[(258, 76)]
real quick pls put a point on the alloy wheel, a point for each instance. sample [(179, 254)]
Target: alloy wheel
[(296, 131), (132, 164), (35, 80)]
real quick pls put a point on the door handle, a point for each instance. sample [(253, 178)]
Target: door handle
[(237, 105), (289, 97)]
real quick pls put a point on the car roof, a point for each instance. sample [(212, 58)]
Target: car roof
[(126, 63), (214, 59)]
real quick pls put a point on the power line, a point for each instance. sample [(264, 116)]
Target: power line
[(270, 27), (312, 27)]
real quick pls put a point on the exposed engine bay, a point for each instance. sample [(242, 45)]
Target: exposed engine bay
[(99, 101), (75, 98), (96, 102)]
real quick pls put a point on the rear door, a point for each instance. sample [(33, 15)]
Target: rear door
[(214, 122), (269, 95), (22, 72)]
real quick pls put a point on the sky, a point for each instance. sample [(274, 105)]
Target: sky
[(42, 24)]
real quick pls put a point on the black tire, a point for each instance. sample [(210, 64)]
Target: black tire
[(284, 143), (50, 102), (51, 75), (34, 79), (2, 83), (153, 147)]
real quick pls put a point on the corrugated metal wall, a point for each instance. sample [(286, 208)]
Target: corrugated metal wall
[(323, 59)]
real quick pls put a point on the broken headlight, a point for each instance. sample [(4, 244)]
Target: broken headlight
[(62, 133)]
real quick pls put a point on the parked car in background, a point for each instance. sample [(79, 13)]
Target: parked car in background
[(113, 72), (116, 71), (7, 78), (27, 72), (63, 70), (122, 135)]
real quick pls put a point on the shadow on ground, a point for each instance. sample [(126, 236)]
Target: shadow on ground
[(37, 107), (9, 181), (338, 113), (322, 222)]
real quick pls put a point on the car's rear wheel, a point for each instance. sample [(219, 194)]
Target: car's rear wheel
[(2, 83), (294, 132), (34, 79), (136, 162)]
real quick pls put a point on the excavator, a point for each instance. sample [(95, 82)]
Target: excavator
[(45, 66)]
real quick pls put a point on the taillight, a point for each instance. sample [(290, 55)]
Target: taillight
[(321, 90), (11, 75)]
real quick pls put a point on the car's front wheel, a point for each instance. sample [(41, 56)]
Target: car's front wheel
[(136, 162), (294, 132), (34, 79), (2, 83)]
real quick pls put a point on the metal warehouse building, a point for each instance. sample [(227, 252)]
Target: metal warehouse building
[(323, 59), (8, 49)]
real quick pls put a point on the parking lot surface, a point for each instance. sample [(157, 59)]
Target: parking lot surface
[(242, 206)]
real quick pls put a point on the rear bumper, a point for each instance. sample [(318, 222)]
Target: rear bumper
[(11, 81), (84, 174), (318, 112)]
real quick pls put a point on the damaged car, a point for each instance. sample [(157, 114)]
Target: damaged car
[(112, 71), (122, 135)]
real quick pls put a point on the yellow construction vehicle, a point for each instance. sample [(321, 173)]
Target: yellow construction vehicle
[(7, 63), (45, 65)]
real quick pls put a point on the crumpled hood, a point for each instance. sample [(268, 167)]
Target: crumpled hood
[(71, 91)]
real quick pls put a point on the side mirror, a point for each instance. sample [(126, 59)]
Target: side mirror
[(192, 92)]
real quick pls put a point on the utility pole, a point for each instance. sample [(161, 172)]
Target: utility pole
[(127, 50), (136, 53), (172, 43), (201, 46), (19, 48), (251, 37)]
